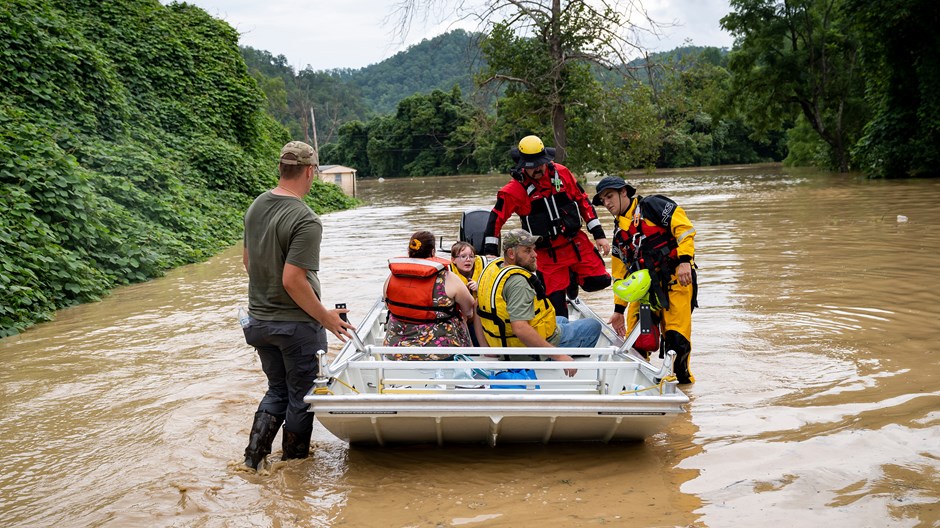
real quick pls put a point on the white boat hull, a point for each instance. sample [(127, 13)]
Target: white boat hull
[(441, 419)]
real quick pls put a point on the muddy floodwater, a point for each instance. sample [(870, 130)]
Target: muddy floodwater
[(815, 348)]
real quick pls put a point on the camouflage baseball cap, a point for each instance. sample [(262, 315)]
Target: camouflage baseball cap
[(519, 237), (299, 153)]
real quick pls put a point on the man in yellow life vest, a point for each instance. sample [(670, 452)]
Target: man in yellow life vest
[(653, 233), (514, 310)]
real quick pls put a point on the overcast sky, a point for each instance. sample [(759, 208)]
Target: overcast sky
[(329, 34)]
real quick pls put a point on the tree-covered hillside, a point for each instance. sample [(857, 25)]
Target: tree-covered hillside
[(291, 96), (661, 109), (674, 113), (842, 84), (343, 95), (439, 63), (131, 140)]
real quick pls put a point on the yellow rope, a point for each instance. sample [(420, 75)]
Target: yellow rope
[(657, 386), (350, 387), (326, 390)]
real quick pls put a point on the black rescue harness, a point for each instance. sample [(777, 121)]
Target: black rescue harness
[(551, 216)]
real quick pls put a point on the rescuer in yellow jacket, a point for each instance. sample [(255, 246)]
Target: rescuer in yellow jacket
[(655, 234)]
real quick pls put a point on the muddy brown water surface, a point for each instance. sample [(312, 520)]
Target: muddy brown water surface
[(817, 401)]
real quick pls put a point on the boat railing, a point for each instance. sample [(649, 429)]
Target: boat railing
[(356, 348), (617, 349), (598, 372)]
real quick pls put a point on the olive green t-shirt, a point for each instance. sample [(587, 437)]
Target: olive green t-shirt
[(520, 302), (279, 230)]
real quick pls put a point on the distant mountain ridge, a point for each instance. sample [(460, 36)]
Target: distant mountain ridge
[(438, 63), (342, 95), (454, 58), (433, 64)]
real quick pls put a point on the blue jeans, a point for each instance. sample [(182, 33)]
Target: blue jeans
[(582, 333), (288, 353)]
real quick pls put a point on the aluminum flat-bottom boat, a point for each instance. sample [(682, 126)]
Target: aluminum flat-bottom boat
[(484, 395)]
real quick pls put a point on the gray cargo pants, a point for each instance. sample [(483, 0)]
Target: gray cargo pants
[(288, 353)]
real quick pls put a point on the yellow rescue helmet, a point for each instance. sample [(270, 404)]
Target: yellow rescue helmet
[(531, 145), (532, 153), (635, 287)]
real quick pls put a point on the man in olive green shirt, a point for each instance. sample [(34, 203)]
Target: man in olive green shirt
[(288, 323), (520, 297)]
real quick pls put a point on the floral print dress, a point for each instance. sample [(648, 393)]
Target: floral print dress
[(450, 332)]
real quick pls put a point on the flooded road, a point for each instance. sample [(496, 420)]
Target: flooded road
[(814, 347)]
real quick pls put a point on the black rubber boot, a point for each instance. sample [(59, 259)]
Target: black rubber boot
[(261, 437), (295, 445), (572, 290), (675, 341), (559, 303)]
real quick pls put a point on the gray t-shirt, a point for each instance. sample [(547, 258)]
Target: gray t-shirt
[(520, 302), (279, 230)]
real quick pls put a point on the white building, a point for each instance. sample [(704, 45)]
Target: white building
[(345, 177)]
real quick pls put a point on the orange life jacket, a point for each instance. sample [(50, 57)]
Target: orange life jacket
[(410, 292)]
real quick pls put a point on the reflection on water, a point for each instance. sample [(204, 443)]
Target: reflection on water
[(816, 402)]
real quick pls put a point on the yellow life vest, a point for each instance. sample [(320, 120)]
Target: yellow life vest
[(494, 315), (478, 265)]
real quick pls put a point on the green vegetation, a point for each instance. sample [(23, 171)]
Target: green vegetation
[(798, 62), (899, 40), (430, 134), (853, 81), (675, 110), (677, 114), (840, 84), (548, 74), (439, 63), (131, 140), (291, 96), (133, 135), (340, 96)]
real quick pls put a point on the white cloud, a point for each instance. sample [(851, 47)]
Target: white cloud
[(695, 20)]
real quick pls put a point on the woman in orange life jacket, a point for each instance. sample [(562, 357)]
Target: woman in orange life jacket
[(426, 302), (467, 266), (654, 233)]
